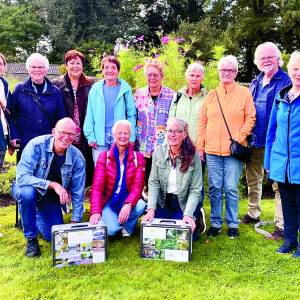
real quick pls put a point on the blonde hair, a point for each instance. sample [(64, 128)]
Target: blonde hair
[(154, 63)]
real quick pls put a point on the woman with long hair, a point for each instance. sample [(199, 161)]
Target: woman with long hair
[(175, 180)]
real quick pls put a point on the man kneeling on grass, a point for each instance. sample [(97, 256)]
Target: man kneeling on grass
[(51, 173)]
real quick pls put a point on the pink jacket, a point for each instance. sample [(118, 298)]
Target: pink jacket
[(105, 178)]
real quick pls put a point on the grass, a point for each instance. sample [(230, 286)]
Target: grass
[(244, 268)]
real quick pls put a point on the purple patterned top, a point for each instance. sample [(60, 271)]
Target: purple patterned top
[(152, 118)]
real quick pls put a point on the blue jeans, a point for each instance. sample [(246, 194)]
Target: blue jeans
[(223, 175), (109, 140), (290, 199), (38, 213), (110, 218)]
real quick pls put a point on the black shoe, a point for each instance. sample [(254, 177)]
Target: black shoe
[(213, 231), (249, 220), (233, 233), (201, 223), (32, 248)]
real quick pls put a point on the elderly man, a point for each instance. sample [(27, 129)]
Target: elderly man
[(264, 87), (51, 173), (35, 106)]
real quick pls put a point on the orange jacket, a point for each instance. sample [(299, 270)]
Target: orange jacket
[(239, 111)]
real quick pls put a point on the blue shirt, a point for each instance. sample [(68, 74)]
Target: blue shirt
[(110, 97), (263, 98)]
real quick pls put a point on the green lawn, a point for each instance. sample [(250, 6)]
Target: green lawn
[(244, 268)]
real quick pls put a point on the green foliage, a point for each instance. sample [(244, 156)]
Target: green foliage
[(7, 178), (172, 55), (20, 30), (211, 78), (246, 268)]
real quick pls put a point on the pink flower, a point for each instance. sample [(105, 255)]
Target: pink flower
[(137, 67), (179, 40), (165, 40), (140, 38)]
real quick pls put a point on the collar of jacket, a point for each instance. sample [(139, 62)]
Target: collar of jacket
[(228, 88), (277, 76), (281, 96), (128, 153), (27, 87), (49, 147), (184, 91)]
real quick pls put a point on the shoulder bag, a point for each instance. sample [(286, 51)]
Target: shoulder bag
[(237, 150)]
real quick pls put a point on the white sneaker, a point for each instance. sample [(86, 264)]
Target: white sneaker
[(125, 233)]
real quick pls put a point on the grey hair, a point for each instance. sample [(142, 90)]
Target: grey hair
[(271, 45), (121, 122), (182, 124), (229, 59), (294, 56), (38, 56), (194, 67)]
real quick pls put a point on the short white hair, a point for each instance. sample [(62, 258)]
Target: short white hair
[(271, 45), (294, 56), (194, 67), (121, 122), (229, 59), (37, 56)]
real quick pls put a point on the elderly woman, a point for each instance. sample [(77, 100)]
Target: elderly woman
[(35, 106), (75, 87), (214, 140), (118, 184), (186, 105), (110, 100), (153, 104), (176, 177), (282, 155), (4, 94)]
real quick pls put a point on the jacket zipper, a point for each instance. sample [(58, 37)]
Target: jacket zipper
[(288, 167)]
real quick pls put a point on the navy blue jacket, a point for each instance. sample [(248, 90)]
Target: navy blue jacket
[(282, 155), (7, 95), (27, 120), (277, 83)]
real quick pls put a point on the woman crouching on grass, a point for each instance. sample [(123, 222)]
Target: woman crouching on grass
[(175, 180), (118, 184)]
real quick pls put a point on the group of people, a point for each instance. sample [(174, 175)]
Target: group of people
[(74, 132)]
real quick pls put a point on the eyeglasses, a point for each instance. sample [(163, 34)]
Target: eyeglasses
[(227, 71), (37, 67), (175, 132), (154, 75), (68, 134), (267, 58)]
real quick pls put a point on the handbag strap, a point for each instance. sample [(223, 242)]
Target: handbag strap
[(223, 116), (36, 99)]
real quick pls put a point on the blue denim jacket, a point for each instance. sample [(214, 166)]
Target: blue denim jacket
[(263, 103), (34, 167)]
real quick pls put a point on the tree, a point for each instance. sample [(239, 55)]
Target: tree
[(20, 30)]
